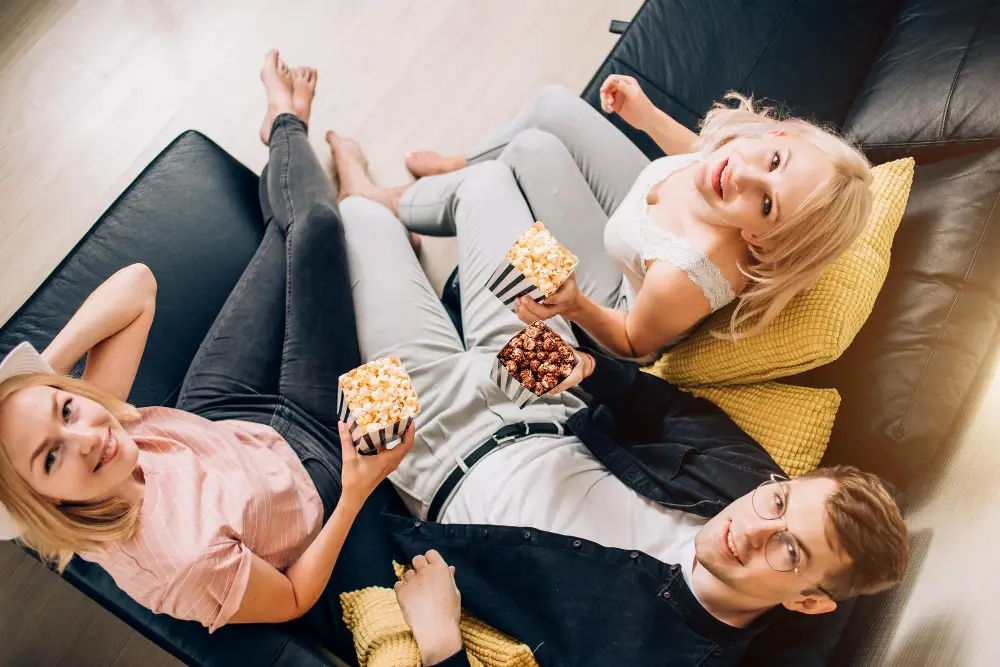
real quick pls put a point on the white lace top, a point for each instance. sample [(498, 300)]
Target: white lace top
[(632, 239)]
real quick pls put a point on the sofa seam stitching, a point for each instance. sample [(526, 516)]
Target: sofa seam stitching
[(958, 71), (766, 46), (944, 326)]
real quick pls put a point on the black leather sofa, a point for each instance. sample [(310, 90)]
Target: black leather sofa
[(904, 78)]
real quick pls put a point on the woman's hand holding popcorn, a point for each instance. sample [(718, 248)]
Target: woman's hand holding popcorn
[(564, 301), (361, 474)]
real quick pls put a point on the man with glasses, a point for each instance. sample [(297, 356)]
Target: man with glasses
[(649, 529)]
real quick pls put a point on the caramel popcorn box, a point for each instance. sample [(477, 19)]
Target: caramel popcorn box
[(377, 402), (536, 266), (533, 363)]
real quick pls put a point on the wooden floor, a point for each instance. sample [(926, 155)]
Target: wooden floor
[(91, 90)]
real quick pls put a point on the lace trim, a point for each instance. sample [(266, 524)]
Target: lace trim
[(660, 245)]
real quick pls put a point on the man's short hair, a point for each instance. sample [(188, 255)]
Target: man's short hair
[(865, 524)]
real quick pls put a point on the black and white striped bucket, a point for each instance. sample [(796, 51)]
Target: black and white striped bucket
[(515, 391), (508, 284), (369, 443)]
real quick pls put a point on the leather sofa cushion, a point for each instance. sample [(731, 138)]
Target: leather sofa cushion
[(193, 217), (928, 95), (910, 368), (687, 55)]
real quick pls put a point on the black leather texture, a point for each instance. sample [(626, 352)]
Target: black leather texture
[(908, 372), (811, 56), (192, 216), (932, 93)]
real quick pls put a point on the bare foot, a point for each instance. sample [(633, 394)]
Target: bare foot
[(429, 163), (431, 606), (352, 171), (277, 80), (304, 81)]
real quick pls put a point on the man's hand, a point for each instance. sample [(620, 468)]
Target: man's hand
[(622, 95), (431, 606), (361, 474)]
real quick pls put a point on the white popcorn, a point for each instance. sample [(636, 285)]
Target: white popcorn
[(541, 259), (379, 394)]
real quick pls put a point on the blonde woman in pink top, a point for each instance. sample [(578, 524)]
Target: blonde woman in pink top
[(234, 507)]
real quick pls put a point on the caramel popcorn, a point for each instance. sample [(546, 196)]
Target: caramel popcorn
[(542, 259), (379, 394), (541, 371)]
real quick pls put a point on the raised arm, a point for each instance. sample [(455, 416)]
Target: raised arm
[(111, 328), (622, 95)]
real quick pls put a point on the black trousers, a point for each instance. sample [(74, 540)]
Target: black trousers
[(275, 352)]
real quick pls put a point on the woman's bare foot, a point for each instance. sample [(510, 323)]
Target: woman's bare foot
[(304, 81), (355, 181), (277, 80), (429, 163)]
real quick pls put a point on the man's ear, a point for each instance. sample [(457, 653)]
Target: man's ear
[(811, 605)]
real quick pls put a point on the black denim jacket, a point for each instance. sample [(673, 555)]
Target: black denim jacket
[(575, 602)]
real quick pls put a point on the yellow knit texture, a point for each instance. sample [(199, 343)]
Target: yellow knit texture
[(792, 423), (382, 638), (816, 326)]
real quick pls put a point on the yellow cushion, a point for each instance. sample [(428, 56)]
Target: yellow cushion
[(382, 638), (816, 326), (792, 423)]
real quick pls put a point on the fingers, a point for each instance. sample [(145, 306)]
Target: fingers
[(419, 562), (408, 575), (434, 558), (346, 442), (398, 585)]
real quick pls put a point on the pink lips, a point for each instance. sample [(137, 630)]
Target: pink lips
[(724, 538), (109, 452), (717, 183)]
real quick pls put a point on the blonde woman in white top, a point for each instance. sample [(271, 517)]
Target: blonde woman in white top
[(753, 208)]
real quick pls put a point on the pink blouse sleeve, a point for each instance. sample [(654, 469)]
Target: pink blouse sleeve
[(210, 589)]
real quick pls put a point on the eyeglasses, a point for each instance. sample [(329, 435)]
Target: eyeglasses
[(782, 551)]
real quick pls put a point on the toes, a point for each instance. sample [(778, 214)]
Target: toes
[(331, 137), (419, 563), (271, 58)]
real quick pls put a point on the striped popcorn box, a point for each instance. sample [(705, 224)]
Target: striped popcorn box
[(377, 402), (535, 362), (536, 266)]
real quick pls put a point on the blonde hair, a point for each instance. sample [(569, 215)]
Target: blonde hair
[(58, 530), (813, 236)]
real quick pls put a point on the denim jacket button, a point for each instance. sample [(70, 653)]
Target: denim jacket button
[(674, 568), (634, 555), (416, 524), (577, 544), (451, 532), (666, 595), (486, 532), (527, 536)]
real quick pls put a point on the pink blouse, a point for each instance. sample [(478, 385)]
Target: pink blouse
[(215, 493)]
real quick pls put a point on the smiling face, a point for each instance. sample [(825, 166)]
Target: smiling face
[(66, 447), (752, 184), (733, 546)]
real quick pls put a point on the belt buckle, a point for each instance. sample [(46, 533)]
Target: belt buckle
[(520, 430)]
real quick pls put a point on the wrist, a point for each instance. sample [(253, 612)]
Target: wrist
[(350, 503), (441, 646), (576, 309)]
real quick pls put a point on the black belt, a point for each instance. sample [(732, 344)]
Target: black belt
[(505, 434)]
